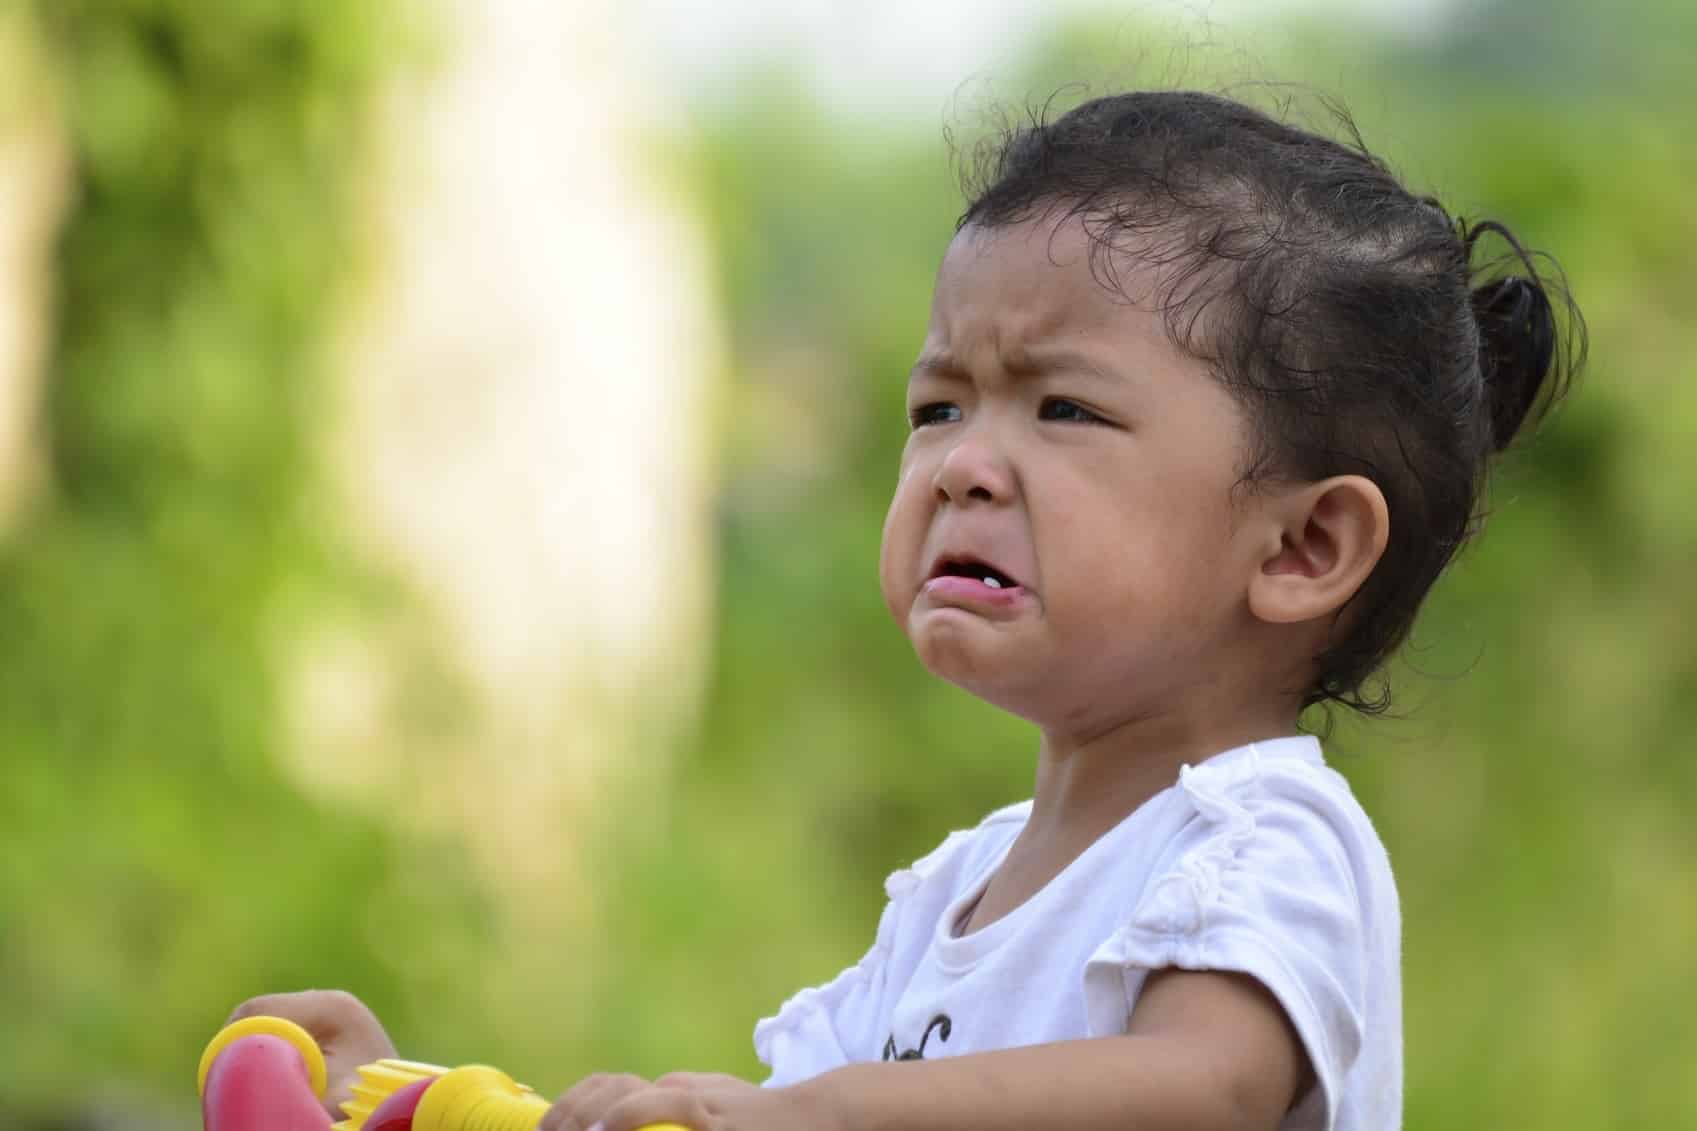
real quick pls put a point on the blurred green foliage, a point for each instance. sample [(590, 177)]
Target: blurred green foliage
[(1534, 794), (152, 856)]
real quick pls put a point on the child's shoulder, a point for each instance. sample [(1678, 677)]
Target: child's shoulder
[(1292, 766), (1274, 785)]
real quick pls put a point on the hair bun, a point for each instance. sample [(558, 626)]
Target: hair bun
[(1517, 349)]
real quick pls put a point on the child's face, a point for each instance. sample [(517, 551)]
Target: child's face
[(1062, 440)]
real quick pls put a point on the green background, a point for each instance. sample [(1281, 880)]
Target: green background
[(156, 864)]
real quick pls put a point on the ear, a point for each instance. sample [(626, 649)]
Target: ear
[(1324, 541)]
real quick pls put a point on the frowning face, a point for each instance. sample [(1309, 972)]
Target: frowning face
[(1063, 539)]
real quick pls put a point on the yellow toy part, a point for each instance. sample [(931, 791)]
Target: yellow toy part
[(271, 1027), (376, 1083), (479, 1098), (470, 1098)]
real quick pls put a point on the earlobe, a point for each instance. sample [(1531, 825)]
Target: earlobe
[(1330, 536)]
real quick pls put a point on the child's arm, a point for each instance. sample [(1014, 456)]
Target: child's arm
[(1203, 1050)]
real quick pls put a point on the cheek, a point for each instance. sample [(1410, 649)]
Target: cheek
[(1146, 548), (904, 529)]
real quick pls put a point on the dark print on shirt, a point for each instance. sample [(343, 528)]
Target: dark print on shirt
[(940, 1023)]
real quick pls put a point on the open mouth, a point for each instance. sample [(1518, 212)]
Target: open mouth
[(979, 571)]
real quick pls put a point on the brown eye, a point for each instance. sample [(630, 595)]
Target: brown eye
[(937, 412), (1059, 408)]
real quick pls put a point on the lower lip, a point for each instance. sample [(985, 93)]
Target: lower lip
[(970, 591)]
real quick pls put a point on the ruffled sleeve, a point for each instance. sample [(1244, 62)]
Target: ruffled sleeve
[(844, 1021), (1262, 880)]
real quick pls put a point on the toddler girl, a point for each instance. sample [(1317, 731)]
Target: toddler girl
[(1203, 409)]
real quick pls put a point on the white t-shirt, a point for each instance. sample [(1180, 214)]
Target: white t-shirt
[(1257, 860)]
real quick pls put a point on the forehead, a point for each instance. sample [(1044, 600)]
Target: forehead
[(1036, 281)]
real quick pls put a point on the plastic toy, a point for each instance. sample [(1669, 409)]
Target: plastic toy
[(268, 1074)]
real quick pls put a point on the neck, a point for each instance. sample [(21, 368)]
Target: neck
[(1088, 781)]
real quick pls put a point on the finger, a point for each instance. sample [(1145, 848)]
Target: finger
[(268, 1005), (658, 1105), (580, 1109), (312, 1010), (589, 1099)]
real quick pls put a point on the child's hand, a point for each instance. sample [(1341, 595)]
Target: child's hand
[(702, 1101), (347, 1032)]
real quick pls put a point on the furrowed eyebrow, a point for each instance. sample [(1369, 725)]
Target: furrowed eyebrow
[(1040, 362), (938, 365), (1020, 365)]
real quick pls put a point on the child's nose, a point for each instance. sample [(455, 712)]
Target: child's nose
[(973, 471)]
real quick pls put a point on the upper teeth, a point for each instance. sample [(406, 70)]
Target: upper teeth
[(992, 583)]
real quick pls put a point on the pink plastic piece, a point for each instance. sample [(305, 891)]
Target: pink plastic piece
[(260, 1083)]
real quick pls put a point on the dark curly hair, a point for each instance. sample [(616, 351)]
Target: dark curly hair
[(1358, 324)]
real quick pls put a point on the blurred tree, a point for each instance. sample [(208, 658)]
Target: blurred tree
[(143, 602), (1563, 49)]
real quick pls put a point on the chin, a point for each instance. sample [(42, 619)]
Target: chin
[(976, 661)]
